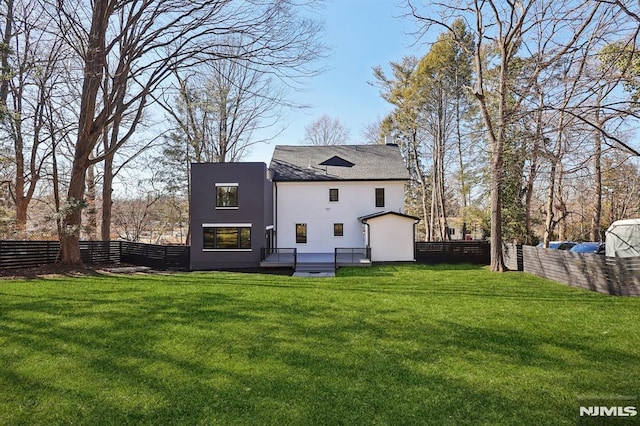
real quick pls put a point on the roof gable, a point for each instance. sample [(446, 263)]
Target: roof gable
[(365, 219)]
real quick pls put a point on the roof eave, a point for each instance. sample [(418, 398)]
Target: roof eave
[(275, 179), (364, 219)]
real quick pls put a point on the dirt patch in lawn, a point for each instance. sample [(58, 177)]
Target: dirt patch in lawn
[(52, 270)]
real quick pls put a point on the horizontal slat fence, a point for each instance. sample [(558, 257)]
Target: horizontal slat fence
[(476, 252), (155, 256), (609, 275), (24, 254), (100, 251)]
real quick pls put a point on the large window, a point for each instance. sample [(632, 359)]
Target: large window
[(226, 195), (338, 229), (301, 233), (333, 194), (379, 197), (226, 238)]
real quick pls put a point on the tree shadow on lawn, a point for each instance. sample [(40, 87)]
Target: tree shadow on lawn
[(503, 287), (506, 286), (391, 269), (205, 357)]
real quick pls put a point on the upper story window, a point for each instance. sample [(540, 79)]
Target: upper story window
[(333, 194), (379, 197), (226, 195), (338, 229)]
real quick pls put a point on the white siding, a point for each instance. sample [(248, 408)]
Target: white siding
[(391, 238), (308, 202)]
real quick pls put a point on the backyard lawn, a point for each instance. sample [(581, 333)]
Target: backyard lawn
[(382, 345)]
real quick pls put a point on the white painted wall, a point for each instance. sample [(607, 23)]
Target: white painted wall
[(391, 238), (308, 202)]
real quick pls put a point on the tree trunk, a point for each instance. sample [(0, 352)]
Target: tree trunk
[(497, 263), (561, 205), (20, 182), (495, 137), (533, 171), (596, 219), (72, 220), (549, 224), (5, 52), (107, 198), (91, 229), (461, 172), (423, 184), (56, 188), (89, 130)]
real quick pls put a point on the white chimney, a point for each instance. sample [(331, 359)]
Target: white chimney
[(388, 140)]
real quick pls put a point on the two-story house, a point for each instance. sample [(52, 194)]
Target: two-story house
[(342, 196), (313, 199)]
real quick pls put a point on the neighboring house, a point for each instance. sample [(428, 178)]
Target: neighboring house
[(231, 211), (456, 226), (314, 199)]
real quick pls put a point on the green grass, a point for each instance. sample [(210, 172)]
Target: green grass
[(382, 345)]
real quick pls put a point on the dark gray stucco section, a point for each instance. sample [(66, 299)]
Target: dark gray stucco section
[(255, 206)]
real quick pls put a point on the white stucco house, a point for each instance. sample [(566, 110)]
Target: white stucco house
[(344, 196), (320, 200)]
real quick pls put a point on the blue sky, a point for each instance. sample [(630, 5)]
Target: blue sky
[(361, 34)]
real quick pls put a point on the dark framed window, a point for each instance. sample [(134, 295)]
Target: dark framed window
[(226, 196), (379, 197), (226, 238), (301, 233), (333, 194), (338, 229)]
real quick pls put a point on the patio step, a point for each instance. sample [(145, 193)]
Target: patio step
[(315, 267)]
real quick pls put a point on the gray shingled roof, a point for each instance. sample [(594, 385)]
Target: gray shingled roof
[(370, 162)]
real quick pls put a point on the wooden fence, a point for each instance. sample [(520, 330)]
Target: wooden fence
[(476, 252), (609, 275), (155, 256), (23, 254)]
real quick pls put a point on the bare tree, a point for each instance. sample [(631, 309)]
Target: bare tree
[(31, 61), (550, 29), (372, 133), (134, 216), (139, 45), (326, 131), (220, 111)]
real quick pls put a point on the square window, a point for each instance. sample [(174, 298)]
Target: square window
[(226, 196), (333, 194), (379, 197), (301, 233), (338, 229)]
